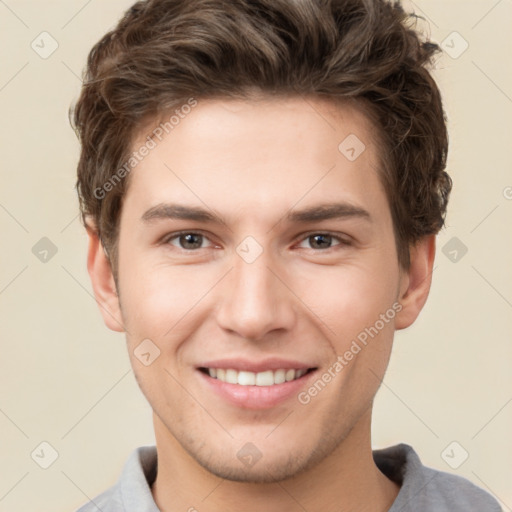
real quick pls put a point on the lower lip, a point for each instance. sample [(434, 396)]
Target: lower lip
[(256, 397)]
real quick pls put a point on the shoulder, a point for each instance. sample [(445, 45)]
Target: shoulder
[(133, 487), (428, 490), (108, 501)]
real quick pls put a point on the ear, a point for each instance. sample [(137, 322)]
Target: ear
[(103, 282), (415, 282)]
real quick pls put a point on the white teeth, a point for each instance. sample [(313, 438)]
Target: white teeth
[(232, 376), (266, 378), (279, 376), (246, 378)]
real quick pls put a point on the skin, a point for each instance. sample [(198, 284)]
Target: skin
[(251, 163)]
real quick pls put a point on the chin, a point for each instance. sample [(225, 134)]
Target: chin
[(260, 472)]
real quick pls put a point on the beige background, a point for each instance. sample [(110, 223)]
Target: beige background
[(66, 380)]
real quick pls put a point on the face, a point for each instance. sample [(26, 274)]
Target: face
[(251, 245)]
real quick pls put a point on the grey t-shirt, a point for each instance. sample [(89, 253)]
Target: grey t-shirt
[(422, 489)]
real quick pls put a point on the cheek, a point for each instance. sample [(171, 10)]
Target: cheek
[(156, 297), (349, 298)]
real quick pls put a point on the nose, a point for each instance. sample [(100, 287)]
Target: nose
[(254, 300)]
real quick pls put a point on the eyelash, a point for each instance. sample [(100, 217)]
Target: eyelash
[(173, 236), (340, 240)]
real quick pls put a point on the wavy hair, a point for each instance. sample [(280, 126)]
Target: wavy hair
[(163, 52)]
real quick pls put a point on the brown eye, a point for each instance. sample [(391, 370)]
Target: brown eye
[(323, 241), (187, 241), (320, 241)]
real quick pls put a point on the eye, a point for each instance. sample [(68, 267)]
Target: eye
[(322, 241), (188, 241)]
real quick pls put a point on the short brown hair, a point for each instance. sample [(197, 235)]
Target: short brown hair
[(164, 52)]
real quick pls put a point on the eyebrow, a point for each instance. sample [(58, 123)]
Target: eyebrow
[(327, 212), (312, 214), (175, 211)]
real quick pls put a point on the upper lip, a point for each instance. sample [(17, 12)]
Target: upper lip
[(256, 366)]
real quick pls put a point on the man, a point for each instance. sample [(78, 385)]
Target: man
[(262, 183)]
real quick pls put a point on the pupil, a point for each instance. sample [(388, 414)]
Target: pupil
[(321, 241), (190, 241)]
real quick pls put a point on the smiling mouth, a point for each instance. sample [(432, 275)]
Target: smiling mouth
[(265, 378)]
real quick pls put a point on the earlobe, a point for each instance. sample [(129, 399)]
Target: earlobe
[(416, 281), (103, 283)]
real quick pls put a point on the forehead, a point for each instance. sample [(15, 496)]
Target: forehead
[(312, 120), (259, 155)]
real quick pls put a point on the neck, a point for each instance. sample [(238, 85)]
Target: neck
[(345, 481)]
